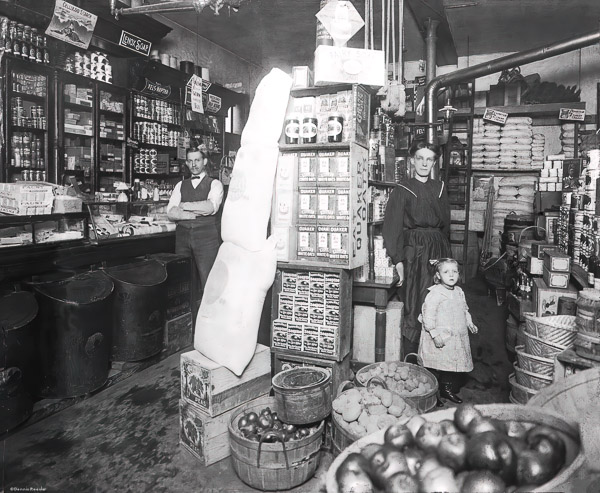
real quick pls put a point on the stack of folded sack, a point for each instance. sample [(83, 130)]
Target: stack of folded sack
[(515, 143), (513, 194), (567, 139), (505, 147), (537, 151)]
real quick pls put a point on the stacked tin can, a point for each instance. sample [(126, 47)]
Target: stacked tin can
[(23, 41), (32, 117), (155, 133), (94, 65), (155, 109)]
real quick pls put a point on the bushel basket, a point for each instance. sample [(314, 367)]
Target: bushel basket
[(538, 347), (519, 394), (530, 379), (423, 402), (555, 329), (536, 364)]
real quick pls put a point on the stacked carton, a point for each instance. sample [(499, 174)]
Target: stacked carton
[(211, 394), (554, 284)]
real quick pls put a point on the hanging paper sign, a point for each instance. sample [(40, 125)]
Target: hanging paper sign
[(421, 80), (420, 133), (571, 114), (205, 85), (214, 103), (196, 94), (72, 24), (495, 116), (156, 89), (134, 43)]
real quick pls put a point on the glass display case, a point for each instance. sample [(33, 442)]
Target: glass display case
[(26, 114), (112, 133), (124, 219), (76, 130), (19, 231)]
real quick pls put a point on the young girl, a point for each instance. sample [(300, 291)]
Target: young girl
[(444, 344)]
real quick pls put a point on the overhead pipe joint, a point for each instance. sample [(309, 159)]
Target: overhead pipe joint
[(503, 63)]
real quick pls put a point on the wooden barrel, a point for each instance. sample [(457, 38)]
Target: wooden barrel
[(302, 395), (563, 481), (273, 466), (588, 310), (588, 345)]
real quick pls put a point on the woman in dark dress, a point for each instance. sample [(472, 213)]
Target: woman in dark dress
[(416, 229)]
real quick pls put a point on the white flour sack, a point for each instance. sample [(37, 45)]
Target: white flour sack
[(248, 205), (229, 316), (267, 112)]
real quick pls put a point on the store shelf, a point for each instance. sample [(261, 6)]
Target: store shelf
[(137, 173), (78, 106), (532, 110), (328, 89), (146, 144), (315, 147), (75, 134), (35, 130), (375, 223), (113, 113), (377, 183), (502, 170), (120, 141), (28, 97), (120, 172), (143, 119)]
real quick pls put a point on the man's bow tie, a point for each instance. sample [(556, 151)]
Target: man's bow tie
[(196, 177)]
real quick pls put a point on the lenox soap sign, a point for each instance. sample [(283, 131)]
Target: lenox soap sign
[(134, 43)]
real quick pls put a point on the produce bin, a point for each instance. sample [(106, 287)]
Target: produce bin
[(138, 309), (74, 333)]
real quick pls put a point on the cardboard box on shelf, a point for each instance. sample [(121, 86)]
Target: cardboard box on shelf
[(556, 279), (349, 65), (306, 241), (215, 389), (545, 298)]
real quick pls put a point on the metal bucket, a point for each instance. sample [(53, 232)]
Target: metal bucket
[(74, 334), (138, 309), (17, 313)]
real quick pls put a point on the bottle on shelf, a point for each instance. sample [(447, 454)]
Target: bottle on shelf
[(155, 194), (136, 189)]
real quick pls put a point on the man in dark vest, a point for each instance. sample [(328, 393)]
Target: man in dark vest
[(194, 204)]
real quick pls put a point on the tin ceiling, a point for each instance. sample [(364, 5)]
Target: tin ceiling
[(282, 32)]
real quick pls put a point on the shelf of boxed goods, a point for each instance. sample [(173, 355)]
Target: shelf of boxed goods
[(542, 114)]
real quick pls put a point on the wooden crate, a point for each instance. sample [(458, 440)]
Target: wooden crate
[(215, 389), (326, 292), (179, 333), (205, 436), (568, 362)]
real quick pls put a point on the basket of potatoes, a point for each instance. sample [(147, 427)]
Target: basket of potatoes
[(359, 411), (410, 381)]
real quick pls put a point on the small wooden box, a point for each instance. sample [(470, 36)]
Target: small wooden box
[(207, 437), (545, 298), (539, 249), (215, 389), (556, 279), (535, 266), (178, 333), (557, 261)]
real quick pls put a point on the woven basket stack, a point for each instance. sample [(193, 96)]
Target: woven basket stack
[(534, 368)]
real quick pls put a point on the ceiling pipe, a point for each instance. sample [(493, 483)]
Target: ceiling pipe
[(430, 43), (503, 63), (163, 7)]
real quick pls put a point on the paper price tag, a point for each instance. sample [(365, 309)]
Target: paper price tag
[(495, 116), (571, 114)]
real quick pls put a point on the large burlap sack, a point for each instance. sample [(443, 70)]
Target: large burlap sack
[(229, 316), (248, 204), (267, 112)]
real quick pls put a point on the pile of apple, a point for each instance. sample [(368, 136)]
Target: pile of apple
[(469, 454), (398, 378), (267, 426)]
